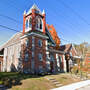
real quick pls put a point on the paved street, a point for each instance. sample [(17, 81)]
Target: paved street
[(84, 88), (83, 85)]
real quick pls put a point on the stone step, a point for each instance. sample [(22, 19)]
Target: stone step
[(51, 79), (58, 85)]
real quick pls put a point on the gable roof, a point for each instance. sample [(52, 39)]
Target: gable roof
[(50, 37), (15, 38), (66, 48), (54, 34), (34, 7)]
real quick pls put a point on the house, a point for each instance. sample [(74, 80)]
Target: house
[(71, 56), (33, 50), (87, 60)]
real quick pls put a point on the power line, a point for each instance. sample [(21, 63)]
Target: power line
[(9, 28), (10, 18), (13, 4), (28, 7), (76, 13), (71, 29)]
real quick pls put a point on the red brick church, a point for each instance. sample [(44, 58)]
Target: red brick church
[(34, 50)]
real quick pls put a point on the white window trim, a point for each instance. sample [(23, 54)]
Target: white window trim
[(39, 25), (28, 28)]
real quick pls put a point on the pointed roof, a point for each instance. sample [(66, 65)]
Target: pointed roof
[(66, 47), (15, 38), (34, 7), (43, 12)]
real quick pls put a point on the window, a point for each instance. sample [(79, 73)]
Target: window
[(27, 42), (37, 22), (36, 11), (70, 53), (60, 58), (32, 48), (47, 56), (40, 68), (40, 24), (18, 55), (40, 43), (26, 57), (52, 58), (32, 40), (40, 56), (26, 23), (30, 22), (32, 54)]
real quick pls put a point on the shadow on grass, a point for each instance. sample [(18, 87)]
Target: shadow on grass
[(9, 79)]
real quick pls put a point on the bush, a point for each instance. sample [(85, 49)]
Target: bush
[(74, 70)]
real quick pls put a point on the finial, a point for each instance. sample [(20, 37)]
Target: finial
[(43, 12), (24, 12), (34, 6)]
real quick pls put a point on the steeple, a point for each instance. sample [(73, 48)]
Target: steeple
[(24, 12), (34, 7), (43, 12)]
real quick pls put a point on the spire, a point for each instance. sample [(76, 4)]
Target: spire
[(43, 12), (35, 7), (24, 12)]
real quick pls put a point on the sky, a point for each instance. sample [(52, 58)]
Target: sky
[(71, 18)]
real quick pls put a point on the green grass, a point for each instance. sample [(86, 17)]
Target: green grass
[(17, 81)]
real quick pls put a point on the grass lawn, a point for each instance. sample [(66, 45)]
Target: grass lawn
[(29, 82), (65, 78)]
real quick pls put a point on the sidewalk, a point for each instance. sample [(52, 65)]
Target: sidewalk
[(74, 86)]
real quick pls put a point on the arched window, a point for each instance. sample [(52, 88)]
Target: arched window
[(30, 22), (36, 22), (40, 23), (26, 23)]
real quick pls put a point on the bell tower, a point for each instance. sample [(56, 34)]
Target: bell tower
[(34, 19), (34, 40)]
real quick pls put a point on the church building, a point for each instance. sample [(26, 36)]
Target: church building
[(36, 49), (32, 50)]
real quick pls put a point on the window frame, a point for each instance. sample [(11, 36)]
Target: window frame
[(40, 57), (30, 22), (40, 43), (26, 57), (26, 24)]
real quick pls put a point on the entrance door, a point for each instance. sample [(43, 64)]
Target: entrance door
[(67, 65), (51, 66)]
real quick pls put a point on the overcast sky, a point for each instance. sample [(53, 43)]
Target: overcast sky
[(71, 18)]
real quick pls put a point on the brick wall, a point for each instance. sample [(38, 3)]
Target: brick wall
[(37, 50), (87, 60)]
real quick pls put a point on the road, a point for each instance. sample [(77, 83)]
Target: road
[(82, 85), (84, 88)]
